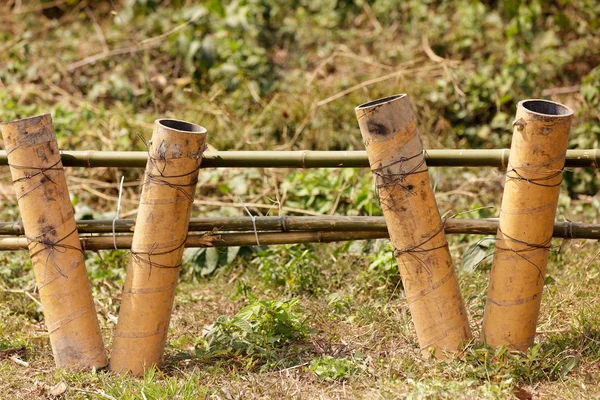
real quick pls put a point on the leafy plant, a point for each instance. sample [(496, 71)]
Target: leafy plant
[(347, 192), (295, 267), (257, 334), (383, 274), (332, 369), (202, 262)]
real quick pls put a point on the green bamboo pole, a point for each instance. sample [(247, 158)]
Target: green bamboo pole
[(311, 159), (567, 230), (484, 227)]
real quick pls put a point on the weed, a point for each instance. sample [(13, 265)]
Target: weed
[(383, 276), (257, 334), (332, 369), (296, 268)]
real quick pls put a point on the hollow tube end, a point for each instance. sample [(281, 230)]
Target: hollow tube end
[(179, 126), (545, 108), (379, 102), (29, 121)]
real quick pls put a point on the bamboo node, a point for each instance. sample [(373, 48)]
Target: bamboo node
[(284, 222)]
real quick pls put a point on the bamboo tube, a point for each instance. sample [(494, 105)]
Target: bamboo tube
[(51, 234), (531, 190), (157, 248), (325, 223), (312, 159), (395, 152)]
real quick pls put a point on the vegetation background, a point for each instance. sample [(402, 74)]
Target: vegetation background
[(303, 321)]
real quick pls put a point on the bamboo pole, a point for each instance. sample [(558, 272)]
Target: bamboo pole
[(157, 247), (498, 158), (325, 223), (318, 233), (395, 152), (527, 214), (51, 235)]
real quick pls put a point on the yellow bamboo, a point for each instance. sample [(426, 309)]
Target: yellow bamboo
[(160, 233), (531, 190), (395, 153), (49, 224)]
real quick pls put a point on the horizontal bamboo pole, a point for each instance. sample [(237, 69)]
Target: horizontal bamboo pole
[(105, 242), (95, 243), (566, 230), (312, 159)]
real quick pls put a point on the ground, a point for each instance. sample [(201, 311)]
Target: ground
[(326, 321)]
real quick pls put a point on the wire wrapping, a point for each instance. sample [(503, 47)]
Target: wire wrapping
[(57, 166), (514, 174), (162, 179), (545, 245), (392, 175), (418, 249), (138, 257), (52, 246), (535, 181)]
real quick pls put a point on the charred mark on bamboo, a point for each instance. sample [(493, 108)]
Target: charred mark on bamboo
[(377, 128)]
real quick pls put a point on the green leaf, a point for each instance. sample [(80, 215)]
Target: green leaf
[(569, 365), (216, 7), (475, 254)]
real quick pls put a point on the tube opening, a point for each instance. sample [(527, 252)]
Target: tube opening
[(546, 107), (181, 126), (381, 101), (35, 119)]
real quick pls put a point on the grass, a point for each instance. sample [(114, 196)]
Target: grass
[(300, 321)]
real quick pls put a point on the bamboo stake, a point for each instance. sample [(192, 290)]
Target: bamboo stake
[(395, 151), (312, 159), (56, 254), (531, 190), (489, 226), (157, 248)]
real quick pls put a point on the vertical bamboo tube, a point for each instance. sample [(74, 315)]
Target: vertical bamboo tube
[(49, 224), (532, 186), (395, 153), (161, 228)]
